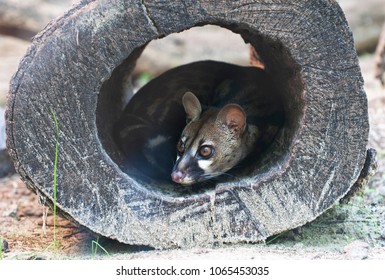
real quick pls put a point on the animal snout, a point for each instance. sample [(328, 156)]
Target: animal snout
[(178, 176)]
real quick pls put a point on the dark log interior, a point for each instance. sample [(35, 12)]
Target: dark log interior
[(287, 76)]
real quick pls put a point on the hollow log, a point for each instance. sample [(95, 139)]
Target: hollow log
[(79, 66)]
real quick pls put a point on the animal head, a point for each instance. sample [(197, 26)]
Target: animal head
[(211, 142)]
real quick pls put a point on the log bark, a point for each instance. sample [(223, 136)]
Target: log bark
[(79, 68)]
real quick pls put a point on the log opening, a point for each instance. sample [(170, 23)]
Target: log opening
[(285, 73)]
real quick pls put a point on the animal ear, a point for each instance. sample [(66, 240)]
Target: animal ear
[(192, 106), (234, 117)]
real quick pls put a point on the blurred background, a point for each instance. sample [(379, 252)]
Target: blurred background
[(20, 20)]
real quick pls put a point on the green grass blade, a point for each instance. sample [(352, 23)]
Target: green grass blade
[(55, 178), (95, 245)]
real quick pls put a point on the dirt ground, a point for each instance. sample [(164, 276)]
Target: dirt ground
[(354, 230)]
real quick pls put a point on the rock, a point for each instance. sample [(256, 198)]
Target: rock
[(4, 246), (357, 250), (6, 165)]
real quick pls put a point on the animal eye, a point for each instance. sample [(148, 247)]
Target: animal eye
[(206, 151), (180, 147)]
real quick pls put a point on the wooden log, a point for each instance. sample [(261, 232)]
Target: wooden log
[(79, 67)]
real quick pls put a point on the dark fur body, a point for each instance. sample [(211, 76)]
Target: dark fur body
[(153, 120)]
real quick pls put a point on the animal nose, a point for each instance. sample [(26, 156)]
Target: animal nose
[(177, 176)]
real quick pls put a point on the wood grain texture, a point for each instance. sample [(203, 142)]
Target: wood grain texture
[(70, 68)]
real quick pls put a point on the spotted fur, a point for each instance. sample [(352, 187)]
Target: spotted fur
[(152, 122)]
